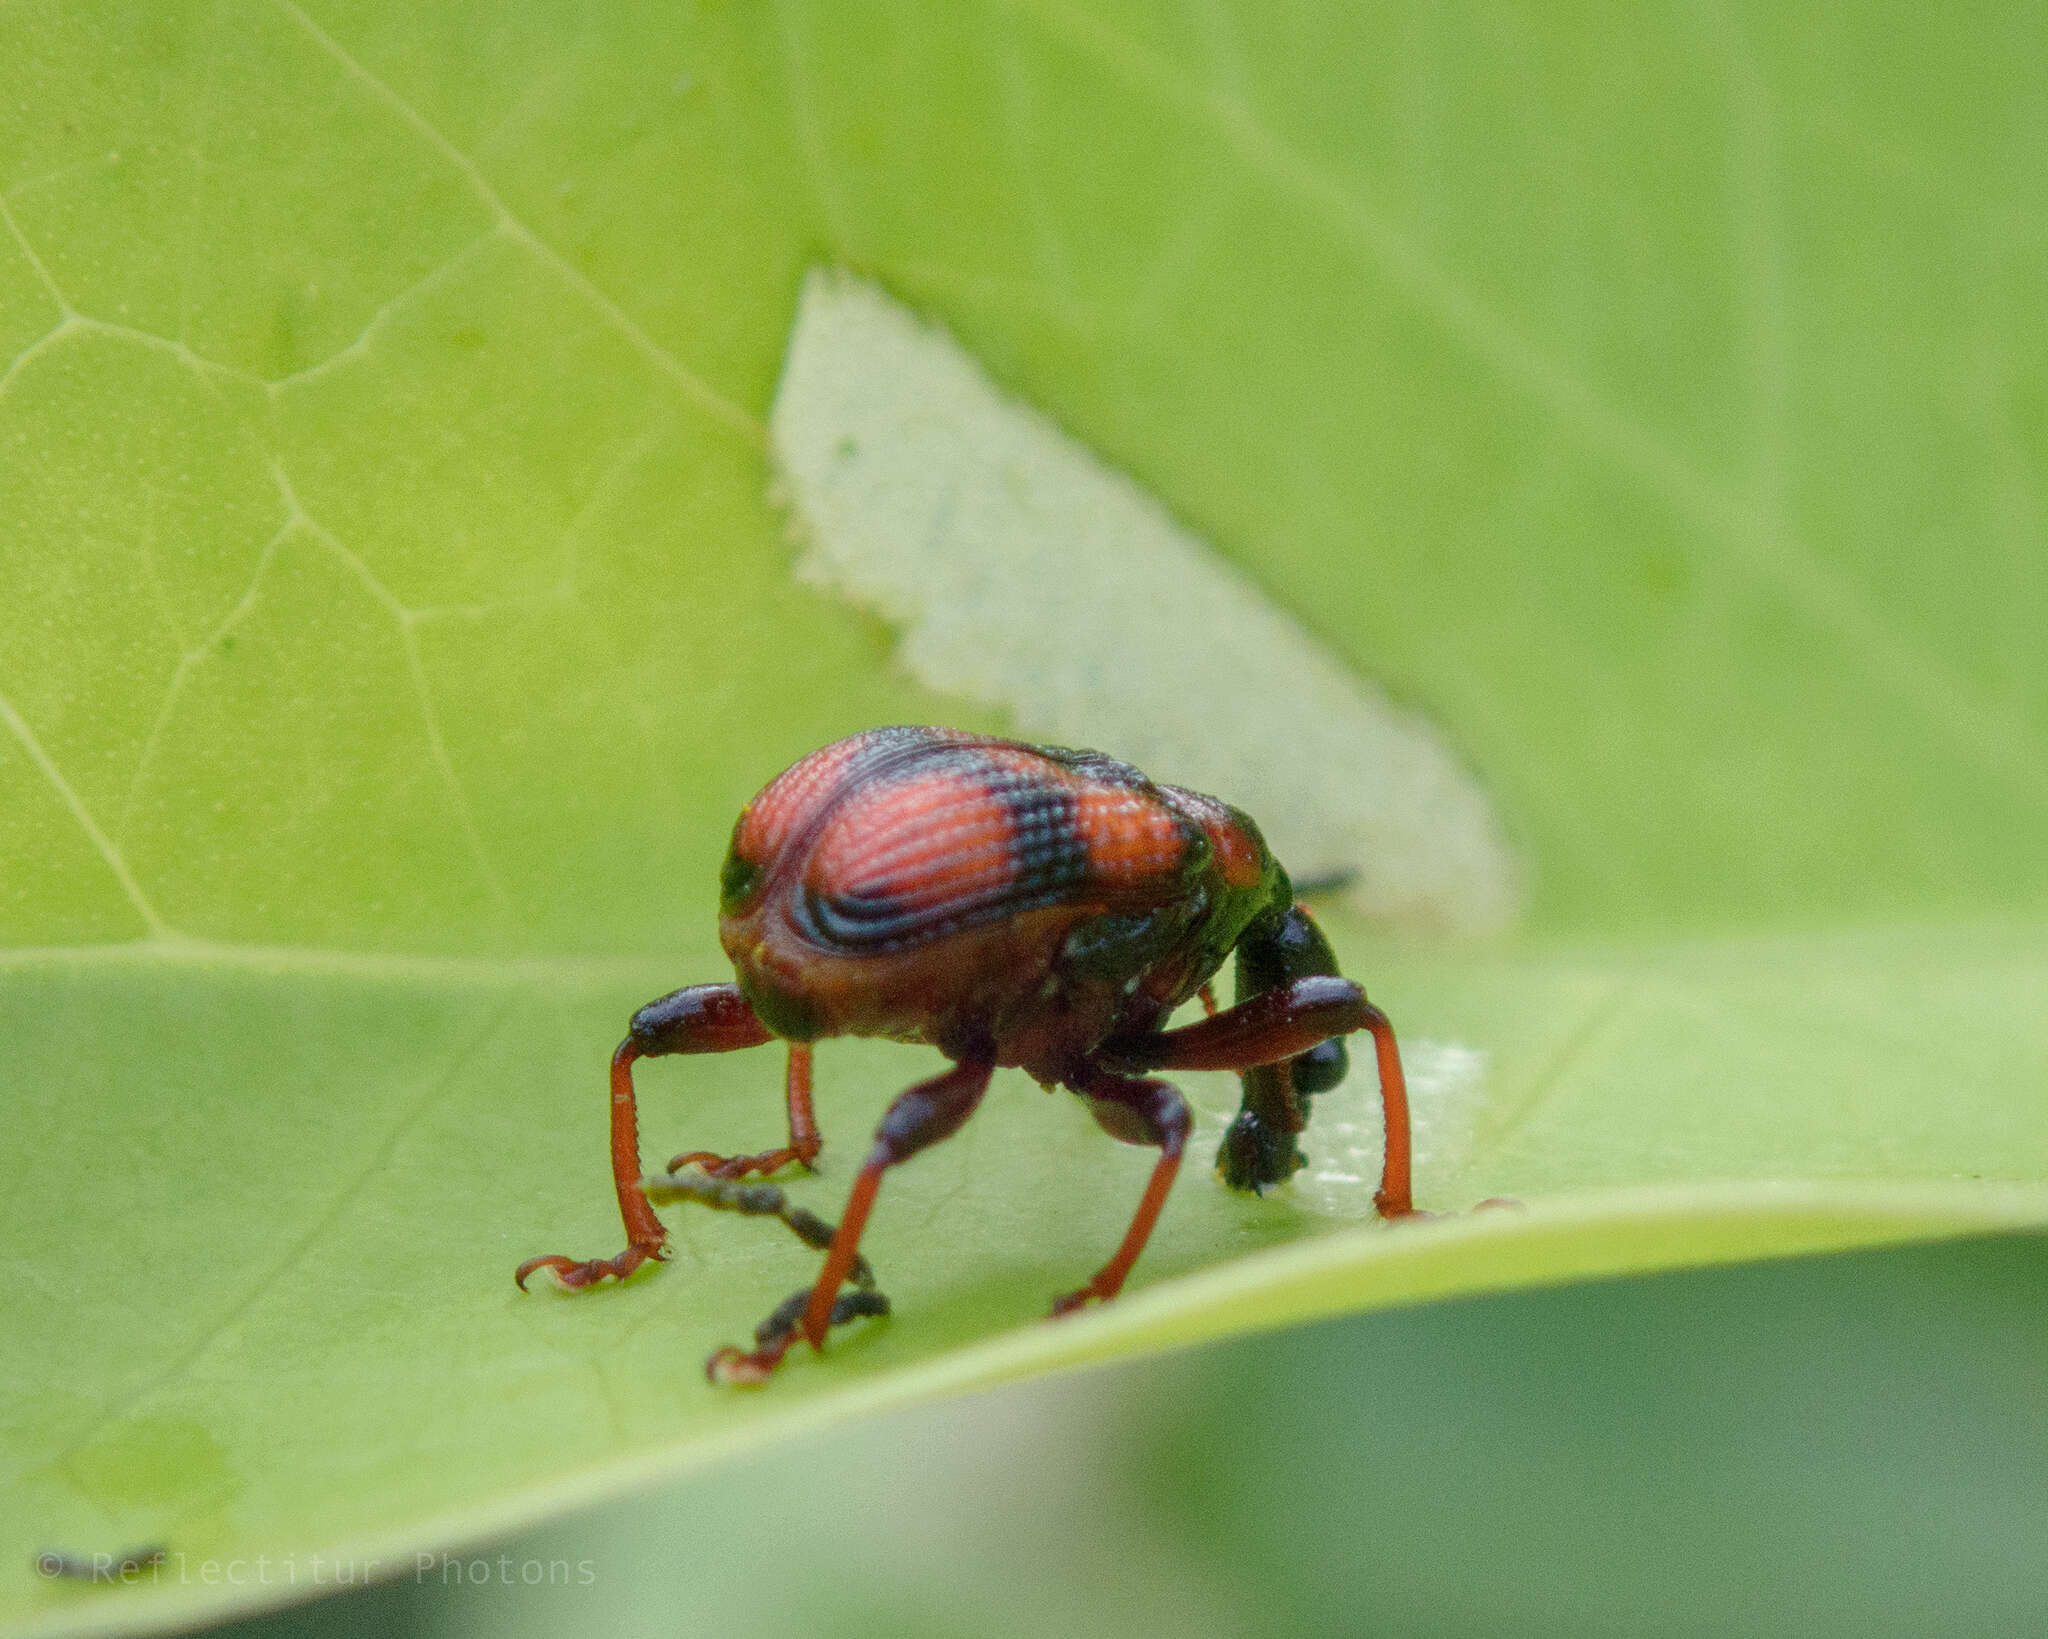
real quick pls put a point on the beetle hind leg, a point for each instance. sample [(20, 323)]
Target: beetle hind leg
[(1137, 1110), (775, 1335), (920, 1117)]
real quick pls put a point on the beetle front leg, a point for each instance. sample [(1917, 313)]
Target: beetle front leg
[(919, 1118), (696, 1019), (1137, 1111), (1270, 1029)]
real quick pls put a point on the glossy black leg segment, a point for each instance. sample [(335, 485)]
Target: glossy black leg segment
[(696, 1019), (1280, 1024), (1271, 956), (1258, 1148), (778, 1331)]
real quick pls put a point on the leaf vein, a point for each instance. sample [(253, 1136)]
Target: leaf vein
[(665, 363), (102, 843), (1551, 1076), (64, 308), (187, 660), (430, 717), (366, 337)]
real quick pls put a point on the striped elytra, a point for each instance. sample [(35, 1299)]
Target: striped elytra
[(932, 885), (896, 837)]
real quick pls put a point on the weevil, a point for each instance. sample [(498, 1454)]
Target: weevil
[(1010, 905)]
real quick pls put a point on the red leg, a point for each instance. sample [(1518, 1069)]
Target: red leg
[(1396, 1197), (920, 1117), (1281, 1024), (699, 1019), (1137, 1111), (804, 1142)]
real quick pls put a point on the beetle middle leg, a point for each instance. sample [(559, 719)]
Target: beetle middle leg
[(804, 1142), (919, 1118), (695, 1019), (1137, 1110)]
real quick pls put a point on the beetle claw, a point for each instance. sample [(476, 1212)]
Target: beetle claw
[(1257, 1154), (573, 1276), (1068, 1302), (734, 1367)]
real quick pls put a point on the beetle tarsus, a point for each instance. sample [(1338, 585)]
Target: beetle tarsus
[(754, 1201), (1068, 1302), (804, 1142), (738, 1166), (572, 1275), (1256, 1154), (774, 1337)]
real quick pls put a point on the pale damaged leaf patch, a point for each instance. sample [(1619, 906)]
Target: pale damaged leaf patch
[(1025, 572)]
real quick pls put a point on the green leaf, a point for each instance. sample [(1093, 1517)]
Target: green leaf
[(395, 619)]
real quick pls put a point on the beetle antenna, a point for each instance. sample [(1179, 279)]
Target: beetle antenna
[(1317, 884)]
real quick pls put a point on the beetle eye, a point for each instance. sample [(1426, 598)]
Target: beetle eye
[(737, 880)]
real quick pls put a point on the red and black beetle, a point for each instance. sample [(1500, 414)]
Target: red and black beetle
[(1008, 904)]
